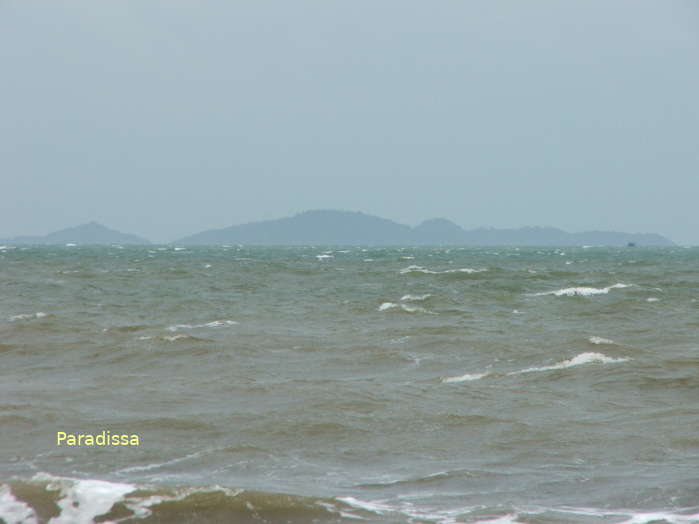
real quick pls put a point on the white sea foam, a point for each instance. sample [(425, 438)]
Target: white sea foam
[(581, 291), (510, 518), (81, 501), (13, 511), (405, 307), (149, 467), (600, 340), (167, 338), (661, 516), (407, 510), (374, 507), (174, 338), (28, 316), (324, 257), (415, 298), (215, 323), (420, 269), (464, 378), (582, 358), (652, 299)]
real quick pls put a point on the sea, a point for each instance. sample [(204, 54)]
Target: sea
[(345, 384)]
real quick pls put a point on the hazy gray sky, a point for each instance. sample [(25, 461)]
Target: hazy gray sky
[(167, 118)]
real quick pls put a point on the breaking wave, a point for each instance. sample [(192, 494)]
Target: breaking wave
[(62, 500), (415, 298), (420, 269), (215, 323), (599, 341), (386, 306), (582, 358), (581, 291), (28, 316)]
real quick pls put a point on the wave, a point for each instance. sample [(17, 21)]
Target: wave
[(386, 306), (465, 378), (62, 500), (173, 338), (415, 298), (582, 358), (599, 341), (28, 316), (215, 323), (420, 269), (581, 291)]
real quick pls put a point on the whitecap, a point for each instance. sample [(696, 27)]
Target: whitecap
[(652, 299), (510, 518), (416, 309), (374, 507), (81, 501), (215, 323), (581, 291), (582, 358), (28, 316), (420, 269), (13, 511), (174, 338), (599, 340), (405, 307), (387, 305), (464, 378), (324, 257), (415, 298)]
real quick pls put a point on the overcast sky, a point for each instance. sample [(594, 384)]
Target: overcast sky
[(167, 118)]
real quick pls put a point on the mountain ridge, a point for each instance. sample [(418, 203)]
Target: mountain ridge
[(91, 233), (335, 227)]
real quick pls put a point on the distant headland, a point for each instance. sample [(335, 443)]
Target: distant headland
[(332, 227)]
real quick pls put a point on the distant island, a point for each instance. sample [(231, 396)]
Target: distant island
[(91, 233), (331, 227)]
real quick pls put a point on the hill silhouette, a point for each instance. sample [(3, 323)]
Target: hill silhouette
[(331, 227), (90, 233)]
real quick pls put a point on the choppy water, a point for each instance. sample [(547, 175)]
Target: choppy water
[(314, 384)]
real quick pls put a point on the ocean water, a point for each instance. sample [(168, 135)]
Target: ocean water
[(348, 384)]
